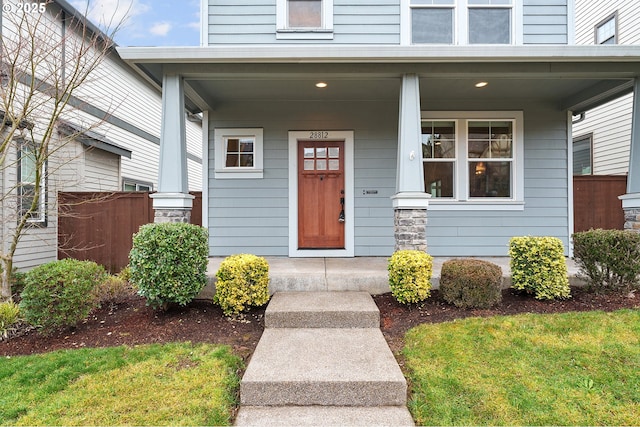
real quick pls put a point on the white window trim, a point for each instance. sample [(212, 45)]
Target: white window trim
[(460, 18), (613, 17), (223, 172), (461, 179), (325, 32)]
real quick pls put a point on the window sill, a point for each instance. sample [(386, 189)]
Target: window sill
[(304, 34), (475, 205), (239, 174)]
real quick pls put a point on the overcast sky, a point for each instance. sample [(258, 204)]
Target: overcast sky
[(147, 22)]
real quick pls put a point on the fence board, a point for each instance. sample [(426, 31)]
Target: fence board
[(99, 226), (596, 203)]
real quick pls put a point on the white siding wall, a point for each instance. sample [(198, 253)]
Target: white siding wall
[(610, 124)]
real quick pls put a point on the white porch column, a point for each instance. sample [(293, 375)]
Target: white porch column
[(172, 202), (631, 200), (410, 201)]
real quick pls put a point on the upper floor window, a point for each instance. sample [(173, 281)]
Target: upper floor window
[(607, 30), (302, 19), (462, 21)]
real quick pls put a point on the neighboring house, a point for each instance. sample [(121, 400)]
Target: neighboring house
[(108, 141), (337, 128), (602, 138)]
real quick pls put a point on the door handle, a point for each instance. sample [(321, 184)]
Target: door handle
[(341, 216)]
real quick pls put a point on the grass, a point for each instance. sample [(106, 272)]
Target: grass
[(172, 384), (560, 369)]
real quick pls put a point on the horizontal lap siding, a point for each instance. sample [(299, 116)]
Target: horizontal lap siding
[(365, 22), (252, 215), (487, 233), (545, 22)]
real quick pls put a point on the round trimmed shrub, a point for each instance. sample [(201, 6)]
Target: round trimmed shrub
[(168, 263), (471, 283), (538, 267), (243, 281), (410, 275), (60, 293)]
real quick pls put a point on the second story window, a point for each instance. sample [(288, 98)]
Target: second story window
[(607, 30), (461, 21), (304, 19)]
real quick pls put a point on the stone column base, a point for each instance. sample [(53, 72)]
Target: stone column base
[(410, 229), (172, 207), (172, 215), (631, 208)]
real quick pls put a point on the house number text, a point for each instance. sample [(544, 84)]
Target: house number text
[(318, 134)]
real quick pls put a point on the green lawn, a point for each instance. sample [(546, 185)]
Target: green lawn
[(173, 384), (560, 369)]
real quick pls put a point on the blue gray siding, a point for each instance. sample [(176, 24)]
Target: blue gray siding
[(545, 22), (251, 215)]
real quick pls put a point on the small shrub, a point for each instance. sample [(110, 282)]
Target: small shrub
[(113, 290), (60, 293), (125, 274), (9, 316), (608, 259), (471, 283), (168, 263), (243, 281), (538, 267), (410, 275)]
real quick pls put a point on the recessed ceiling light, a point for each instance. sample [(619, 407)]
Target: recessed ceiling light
[(481, 84), (321, 85)]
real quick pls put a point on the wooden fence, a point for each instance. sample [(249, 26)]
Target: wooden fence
[(596, 203), (99, 226)]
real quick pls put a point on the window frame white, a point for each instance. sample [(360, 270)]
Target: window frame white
[(586, 139), (39, 217), (283, 31), (461, 199), (137, 184), (611, 18), (461, 21), (222, 171)]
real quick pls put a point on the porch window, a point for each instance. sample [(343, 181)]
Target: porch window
[(304, 19), (238, 153), (475, 157), (32, 187), (606, 31)]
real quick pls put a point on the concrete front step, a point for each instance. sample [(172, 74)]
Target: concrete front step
[(322, 310), (333, 367), (323, 416)]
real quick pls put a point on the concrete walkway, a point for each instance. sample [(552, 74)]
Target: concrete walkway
[(368, 274), (323, 361)]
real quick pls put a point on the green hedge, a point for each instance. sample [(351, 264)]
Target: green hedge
[(60, 293), (410, 275), (168, 263), (538, 267), (608, 259), (471, 283)]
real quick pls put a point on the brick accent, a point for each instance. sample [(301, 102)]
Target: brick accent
[(632, 219), (172, 215), (410, 229)]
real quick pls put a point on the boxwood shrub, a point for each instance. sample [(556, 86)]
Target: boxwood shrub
[(471, 283), (60, 293), (538, 267), (608, 259), (410, 275), (243, 282), (168, 263)]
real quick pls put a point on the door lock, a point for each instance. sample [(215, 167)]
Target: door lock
[(341, 216)]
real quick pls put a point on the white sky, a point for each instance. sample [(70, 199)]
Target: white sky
[(146, 22)]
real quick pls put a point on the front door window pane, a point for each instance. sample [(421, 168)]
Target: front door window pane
[(432, 25), (305, 13), (489, 26)]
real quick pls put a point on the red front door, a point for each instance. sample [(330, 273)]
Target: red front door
[(320, 194)]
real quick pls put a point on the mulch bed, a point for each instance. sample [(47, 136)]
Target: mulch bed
[(131, 322)]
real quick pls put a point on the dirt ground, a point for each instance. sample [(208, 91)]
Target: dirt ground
[(131, 322)]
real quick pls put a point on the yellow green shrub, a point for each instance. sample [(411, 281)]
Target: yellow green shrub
[(410, 275), (243, 281), (538, 267)]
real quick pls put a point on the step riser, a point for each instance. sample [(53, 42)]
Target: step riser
[(330, 319), (327, 394)]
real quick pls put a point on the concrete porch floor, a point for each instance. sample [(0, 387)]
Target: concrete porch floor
[(367, 274)]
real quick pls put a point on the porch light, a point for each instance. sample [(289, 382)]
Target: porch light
[(321, 85), (481, 84)]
